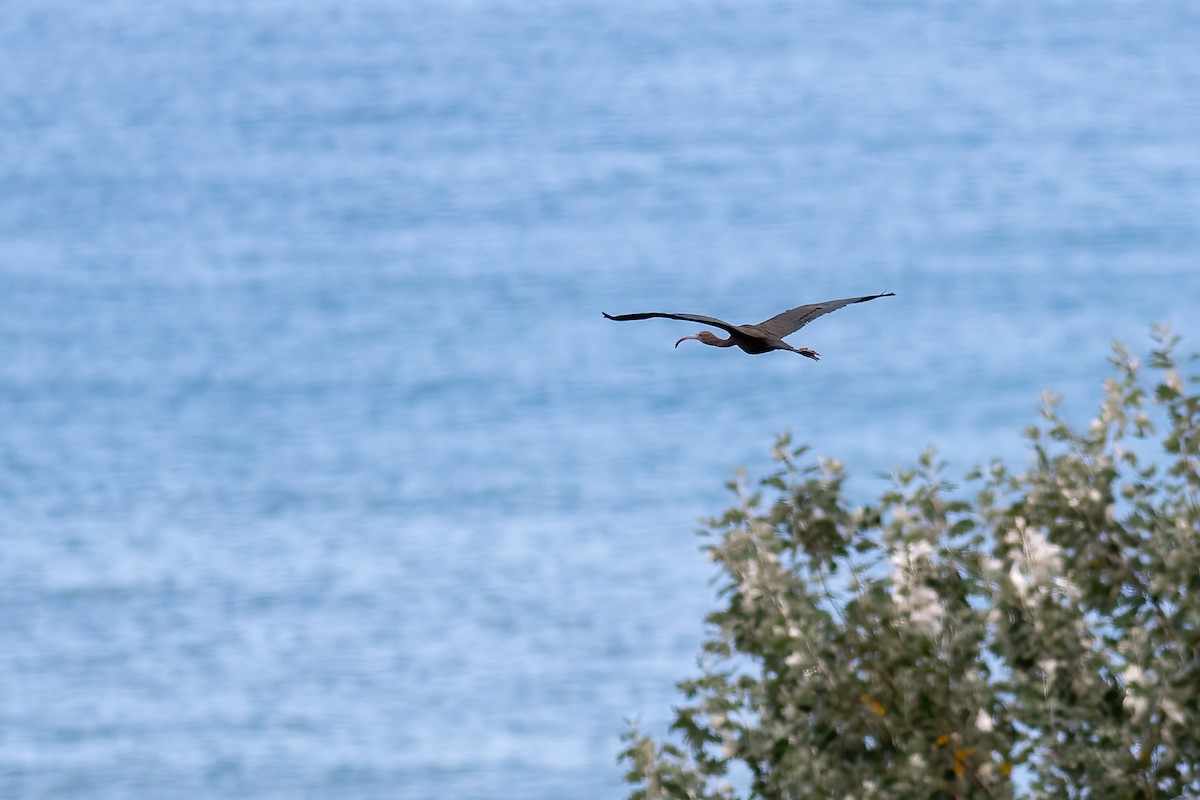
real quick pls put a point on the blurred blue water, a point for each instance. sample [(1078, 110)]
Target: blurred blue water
[(320, 473)]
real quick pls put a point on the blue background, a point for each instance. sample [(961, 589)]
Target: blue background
[(321, 475)]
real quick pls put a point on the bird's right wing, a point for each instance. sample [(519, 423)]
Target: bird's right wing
[(796, 318), (703, 320)]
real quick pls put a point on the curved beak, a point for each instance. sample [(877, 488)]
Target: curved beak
[(684, 339)]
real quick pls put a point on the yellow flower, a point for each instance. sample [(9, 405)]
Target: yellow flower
[(960, 758), (878, 708)]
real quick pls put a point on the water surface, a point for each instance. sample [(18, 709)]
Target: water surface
[(321, 474)]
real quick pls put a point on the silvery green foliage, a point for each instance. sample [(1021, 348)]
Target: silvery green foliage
[(1033, 633)]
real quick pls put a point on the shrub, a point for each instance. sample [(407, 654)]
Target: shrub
[(1035, 631)]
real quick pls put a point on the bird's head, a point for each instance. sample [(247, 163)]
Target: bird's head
[(707, 337)]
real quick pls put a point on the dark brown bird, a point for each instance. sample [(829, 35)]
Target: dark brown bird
[(763, 337)]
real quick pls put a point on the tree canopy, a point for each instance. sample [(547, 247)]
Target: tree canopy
[(1032, 632)]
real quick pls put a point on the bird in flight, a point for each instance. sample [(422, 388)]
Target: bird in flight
[(763, 337)]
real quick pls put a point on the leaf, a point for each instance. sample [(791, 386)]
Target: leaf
[(962, 527)]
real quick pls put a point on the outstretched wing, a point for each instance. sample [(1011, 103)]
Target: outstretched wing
[(796, 318), (703, 320)]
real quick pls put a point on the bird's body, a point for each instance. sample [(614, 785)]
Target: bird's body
[(763, 337)]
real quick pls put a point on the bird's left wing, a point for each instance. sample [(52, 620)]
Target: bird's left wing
[(703, 320), (796, 318)]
